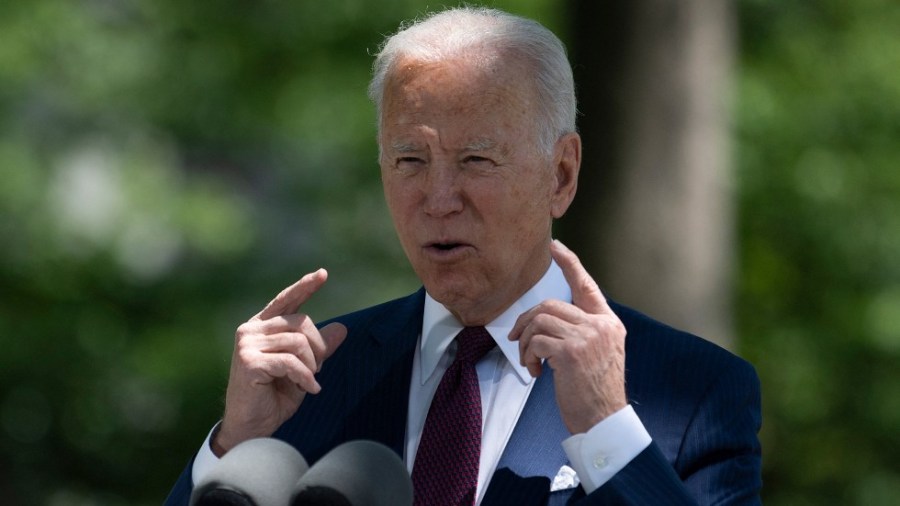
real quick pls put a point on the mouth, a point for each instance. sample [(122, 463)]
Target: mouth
[(445, 246), (446, 249)]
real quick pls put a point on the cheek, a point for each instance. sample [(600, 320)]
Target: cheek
[(393, 192), (527, 214), (531, 200), (401, 204)]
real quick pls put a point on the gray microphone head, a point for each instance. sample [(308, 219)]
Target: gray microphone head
[(358, 473), (257, 472)]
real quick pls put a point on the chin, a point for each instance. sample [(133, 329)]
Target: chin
[(448, 294), (451, 292)]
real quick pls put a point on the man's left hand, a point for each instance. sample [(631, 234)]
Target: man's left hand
[(584, 343)]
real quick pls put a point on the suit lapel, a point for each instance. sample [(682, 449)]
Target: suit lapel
[(382, 414), (370, 373)]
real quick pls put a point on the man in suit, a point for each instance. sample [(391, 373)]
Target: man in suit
[(478, 155)]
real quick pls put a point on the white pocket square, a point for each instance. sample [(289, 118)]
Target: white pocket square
[(565, 479)]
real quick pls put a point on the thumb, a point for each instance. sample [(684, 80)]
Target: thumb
[(333, 335)]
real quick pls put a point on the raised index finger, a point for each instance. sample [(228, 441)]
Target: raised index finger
[(585, 292), (291, 298)]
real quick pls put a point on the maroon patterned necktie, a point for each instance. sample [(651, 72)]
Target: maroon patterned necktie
[(445, 472)]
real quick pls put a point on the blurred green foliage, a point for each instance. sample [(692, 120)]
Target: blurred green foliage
[(167, 167), (818, 126)]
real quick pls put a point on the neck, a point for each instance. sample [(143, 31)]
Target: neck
[(480, 313)]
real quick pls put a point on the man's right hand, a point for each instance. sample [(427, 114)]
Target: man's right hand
[(276, 356)]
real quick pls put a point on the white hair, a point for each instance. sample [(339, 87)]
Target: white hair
[(478, 32)]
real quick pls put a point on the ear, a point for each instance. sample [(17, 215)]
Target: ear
[(566, 163)]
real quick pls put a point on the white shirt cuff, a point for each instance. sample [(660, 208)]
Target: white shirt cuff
[(205, 460), (607, 448)]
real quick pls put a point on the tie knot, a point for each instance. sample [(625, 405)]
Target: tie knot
[(473, 343)]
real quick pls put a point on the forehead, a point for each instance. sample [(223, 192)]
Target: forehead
[(456, 89)]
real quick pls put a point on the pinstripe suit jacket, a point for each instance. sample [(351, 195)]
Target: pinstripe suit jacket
[(700, 404)]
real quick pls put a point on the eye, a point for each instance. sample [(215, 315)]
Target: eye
[(475, 159), (409, 165), (407, 160)]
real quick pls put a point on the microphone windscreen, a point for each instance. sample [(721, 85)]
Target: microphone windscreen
[(257, 472), (357, 473)]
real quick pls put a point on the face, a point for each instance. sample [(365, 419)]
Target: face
[(471, 195)]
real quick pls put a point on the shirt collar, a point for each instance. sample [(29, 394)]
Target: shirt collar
[(439, 327)]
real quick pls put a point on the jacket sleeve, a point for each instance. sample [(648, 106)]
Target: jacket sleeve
[(719, 461)]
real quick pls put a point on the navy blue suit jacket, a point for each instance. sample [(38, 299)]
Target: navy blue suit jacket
[(700, 404)]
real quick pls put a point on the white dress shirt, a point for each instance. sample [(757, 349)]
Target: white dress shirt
[(505, 385)]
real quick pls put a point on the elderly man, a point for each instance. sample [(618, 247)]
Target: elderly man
[(478, 156)]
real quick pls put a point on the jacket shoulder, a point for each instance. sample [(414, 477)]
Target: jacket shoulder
[(673, 378), (665, 348)]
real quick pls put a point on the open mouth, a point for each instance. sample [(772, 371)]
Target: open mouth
[(445, 248)]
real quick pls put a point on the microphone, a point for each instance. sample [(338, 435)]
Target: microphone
[(357, 473), (257, 472)]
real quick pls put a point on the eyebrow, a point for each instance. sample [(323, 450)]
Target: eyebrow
[(481, 144), (404, 147)]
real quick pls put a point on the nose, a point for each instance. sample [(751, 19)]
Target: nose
[(443, 190)]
